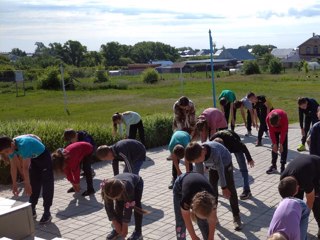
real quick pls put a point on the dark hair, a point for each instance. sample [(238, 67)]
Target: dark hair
[(193, 151), (183, 101), (103, 151), (223, 101), (302, 100), (58, 160), (5, 142), (219, 140), (250, 94), (178, 150), (288, 187), (69, 134), (237, 104), (200, 124), (115, 189), (274, 119), (115, 117)]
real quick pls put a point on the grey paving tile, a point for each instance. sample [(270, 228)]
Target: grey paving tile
[(75, 217)]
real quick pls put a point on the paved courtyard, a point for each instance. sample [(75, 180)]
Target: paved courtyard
[(77, 217)]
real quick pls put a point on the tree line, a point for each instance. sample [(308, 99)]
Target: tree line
[(110, 54)]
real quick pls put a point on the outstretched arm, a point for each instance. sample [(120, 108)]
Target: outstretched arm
[(187, 221)]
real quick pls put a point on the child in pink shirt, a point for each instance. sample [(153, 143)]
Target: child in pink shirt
[(209, 121)]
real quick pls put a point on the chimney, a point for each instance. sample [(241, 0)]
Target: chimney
[(313, 34)]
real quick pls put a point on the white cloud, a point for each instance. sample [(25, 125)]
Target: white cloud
[(285, 23)]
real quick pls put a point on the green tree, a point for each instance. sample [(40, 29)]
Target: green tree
[(75, 52), (275, 66), (41, 49), (251, 67), (4, 60), (111, 52), (143, 52), (92, 59), (18, 52)]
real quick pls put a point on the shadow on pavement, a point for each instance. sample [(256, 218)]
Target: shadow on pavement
[(250, 225), (80, 206), (154, 215), (49, 228)]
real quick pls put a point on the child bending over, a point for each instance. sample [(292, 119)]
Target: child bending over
[(121, 195)]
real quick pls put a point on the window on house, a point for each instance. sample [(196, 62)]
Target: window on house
[(315, 50), (308, 50)]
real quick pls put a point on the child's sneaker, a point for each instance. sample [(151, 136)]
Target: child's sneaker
[(237, 223), (301, 148), (113, 235), (271, 170), (71, 190), (46, 218), (135, 236), (88, 192), (248, 134), (246, 194)]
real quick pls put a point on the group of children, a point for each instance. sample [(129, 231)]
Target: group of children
[(195, 197), (214, 156)]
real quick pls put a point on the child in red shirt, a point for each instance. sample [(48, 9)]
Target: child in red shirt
[(278, 125), (68, 161)]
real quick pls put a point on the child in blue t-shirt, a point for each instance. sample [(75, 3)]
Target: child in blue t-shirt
[(37, 169)]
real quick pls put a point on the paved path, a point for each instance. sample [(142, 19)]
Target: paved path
[(76, 217)]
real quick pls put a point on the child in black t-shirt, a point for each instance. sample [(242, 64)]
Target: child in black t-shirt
[(121, 195), (193, 200), (130, 151), (261, 108)]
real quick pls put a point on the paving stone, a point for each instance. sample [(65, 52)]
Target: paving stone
[(76, 217)]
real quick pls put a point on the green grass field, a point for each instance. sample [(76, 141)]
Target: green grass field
[(98, 106)]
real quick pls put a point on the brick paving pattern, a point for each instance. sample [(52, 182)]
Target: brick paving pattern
[(77, 217)]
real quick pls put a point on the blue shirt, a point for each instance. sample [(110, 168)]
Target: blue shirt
[(179, 137), (27, 147)]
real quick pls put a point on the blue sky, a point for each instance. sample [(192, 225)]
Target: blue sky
[(283, 23)]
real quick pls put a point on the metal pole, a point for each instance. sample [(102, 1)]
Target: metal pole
[(181, 81), (212, 71), (64, 91)]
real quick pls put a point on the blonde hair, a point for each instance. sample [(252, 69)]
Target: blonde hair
[(277, 236), (202, 203)]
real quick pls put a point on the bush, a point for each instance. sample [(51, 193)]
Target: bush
[(101, 76), (50, 79), (275, 66), (150, 75), (251, 67), (158, 131)]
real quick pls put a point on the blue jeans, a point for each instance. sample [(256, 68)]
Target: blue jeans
[(305, 212), (135, 168), (243, 169), (180, 225)]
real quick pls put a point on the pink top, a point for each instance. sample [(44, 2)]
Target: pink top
[(282, 128), (215, 119)]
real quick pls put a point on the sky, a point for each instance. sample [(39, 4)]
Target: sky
[(233, 23)]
